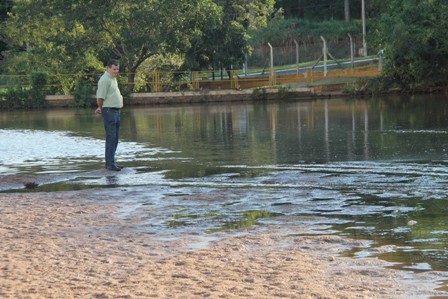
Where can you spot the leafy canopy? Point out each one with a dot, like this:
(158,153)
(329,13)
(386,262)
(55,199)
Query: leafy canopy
(66,36)
(412,34)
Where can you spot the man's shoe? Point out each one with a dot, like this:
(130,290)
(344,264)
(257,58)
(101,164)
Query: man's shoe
(119,166)
(113,168)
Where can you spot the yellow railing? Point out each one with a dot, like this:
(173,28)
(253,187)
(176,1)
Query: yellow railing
(156,82)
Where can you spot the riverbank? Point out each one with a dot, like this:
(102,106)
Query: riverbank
(213,96)
(333,86)
(76,245)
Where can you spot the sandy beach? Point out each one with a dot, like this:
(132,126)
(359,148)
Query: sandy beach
(73,245)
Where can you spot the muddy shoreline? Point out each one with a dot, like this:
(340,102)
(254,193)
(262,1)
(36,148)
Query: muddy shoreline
(75,245)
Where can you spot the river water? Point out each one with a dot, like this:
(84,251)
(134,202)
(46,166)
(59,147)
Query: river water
(373,169)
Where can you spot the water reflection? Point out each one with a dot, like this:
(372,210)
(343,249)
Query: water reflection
(112,181)
(362,168)
(260,134)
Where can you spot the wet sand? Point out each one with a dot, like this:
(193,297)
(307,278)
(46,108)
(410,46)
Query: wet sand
(73,245)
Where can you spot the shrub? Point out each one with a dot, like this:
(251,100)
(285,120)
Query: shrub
(21,97)
(15,98)
(83,94)
(38,91)
(260,94)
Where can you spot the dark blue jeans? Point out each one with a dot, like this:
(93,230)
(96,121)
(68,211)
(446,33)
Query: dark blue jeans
(111,119)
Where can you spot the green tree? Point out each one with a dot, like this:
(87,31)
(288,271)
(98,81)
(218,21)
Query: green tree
(5,7)
(231,39)
(319,10)
(43,39)
(281,30)
(136,30)
(75,36)
(412,34)
(224,40)
(62,36)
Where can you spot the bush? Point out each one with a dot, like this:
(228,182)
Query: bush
(412,35)
(38,91)
(283,91)
(259,94)
(14,98)
(83,94)
(20,97)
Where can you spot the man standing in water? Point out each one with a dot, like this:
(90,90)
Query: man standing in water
(110,101)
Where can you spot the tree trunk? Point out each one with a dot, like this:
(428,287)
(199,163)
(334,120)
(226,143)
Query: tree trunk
(347,10)
(131,79)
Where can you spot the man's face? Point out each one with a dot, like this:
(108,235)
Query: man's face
(113,70)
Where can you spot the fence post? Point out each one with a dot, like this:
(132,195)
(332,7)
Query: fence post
(380,60)
(297,55)
(271,73)
(324,52)
(363,17)
(352,50)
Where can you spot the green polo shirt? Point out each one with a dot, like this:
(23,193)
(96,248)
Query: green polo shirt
(108,91)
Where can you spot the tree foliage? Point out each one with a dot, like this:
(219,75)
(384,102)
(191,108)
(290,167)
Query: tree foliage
(5,6)
(282,31)
(62,36)
(225,42)
(79,35)
(240,16)
(320,10)
(41,38)
(412,34)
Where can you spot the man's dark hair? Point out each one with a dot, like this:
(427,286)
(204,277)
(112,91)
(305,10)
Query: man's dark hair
(112,62)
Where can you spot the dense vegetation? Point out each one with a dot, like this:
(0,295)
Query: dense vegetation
(5,6)
(412,34)
(319,10)
(76,37)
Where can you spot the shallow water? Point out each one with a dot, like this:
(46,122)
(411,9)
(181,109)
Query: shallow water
(371,169)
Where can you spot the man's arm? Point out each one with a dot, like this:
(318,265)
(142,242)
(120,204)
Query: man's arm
(99,102)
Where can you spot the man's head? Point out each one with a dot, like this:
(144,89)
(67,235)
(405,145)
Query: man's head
(113,67)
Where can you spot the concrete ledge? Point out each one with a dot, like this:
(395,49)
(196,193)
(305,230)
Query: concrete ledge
(210,96)
(203,96)
(59,100)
